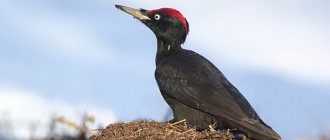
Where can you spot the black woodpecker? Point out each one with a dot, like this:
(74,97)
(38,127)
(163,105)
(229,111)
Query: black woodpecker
(193,87)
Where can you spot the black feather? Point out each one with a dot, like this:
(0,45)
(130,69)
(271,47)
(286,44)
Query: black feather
(197,91)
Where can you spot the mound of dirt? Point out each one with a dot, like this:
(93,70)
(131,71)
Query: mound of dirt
(149,130)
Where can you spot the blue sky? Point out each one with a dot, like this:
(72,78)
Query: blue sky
(69,56)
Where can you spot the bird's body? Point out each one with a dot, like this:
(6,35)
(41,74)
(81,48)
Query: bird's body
(197,91)
(194,88)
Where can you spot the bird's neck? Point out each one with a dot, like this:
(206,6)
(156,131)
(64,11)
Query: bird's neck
(165,49)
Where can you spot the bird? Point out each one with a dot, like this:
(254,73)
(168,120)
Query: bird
(194,88)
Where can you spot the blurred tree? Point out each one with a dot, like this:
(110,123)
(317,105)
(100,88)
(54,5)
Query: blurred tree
(80,127)
(5,127)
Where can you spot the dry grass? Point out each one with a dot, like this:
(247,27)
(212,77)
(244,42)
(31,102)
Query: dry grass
(152,130)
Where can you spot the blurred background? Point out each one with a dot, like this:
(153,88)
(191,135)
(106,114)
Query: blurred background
(71,65)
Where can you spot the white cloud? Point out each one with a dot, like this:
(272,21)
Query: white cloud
(284,38)
(26,107)
(54,31)
(294,48)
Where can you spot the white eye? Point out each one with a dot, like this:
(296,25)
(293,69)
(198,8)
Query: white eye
(157,17)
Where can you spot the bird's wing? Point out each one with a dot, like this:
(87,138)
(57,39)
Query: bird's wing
(199,84)
(194,81)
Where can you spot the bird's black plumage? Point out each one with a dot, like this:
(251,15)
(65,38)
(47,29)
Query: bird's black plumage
(193,87)
(198,92)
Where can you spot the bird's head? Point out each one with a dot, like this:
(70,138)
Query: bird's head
(168,24)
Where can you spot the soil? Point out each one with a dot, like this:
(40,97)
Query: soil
(153,130)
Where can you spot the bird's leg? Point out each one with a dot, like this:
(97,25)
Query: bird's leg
(237,134)
(240,137)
